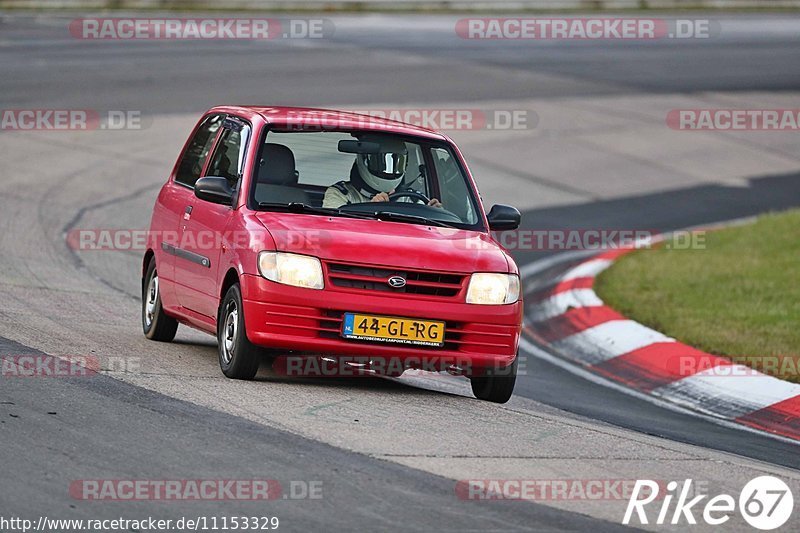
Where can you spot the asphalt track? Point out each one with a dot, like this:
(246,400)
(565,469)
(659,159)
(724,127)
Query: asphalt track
(386,451)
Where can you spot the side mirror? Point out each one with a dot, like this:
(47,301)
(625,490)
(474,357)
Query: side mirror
(503,217)
(214,189)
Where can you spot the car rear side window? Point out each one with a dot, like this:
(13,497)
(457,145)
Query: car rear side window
(194,157)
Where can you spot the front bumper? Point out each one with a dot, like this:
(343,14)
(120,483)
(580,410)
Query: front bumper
(288,318)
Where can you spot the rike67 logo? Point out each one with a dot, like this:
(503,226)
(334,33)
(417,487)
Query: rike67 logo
(765,503)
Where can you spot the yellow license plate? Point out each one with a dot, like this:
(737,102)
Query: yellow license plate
(393,329)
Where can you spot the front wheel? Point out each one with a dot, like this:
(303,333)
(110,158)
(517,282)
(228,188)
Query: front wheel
(156,324)
(497,385)
(238,357)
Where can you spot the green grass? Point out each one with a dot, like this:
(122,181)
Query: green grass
(738,297)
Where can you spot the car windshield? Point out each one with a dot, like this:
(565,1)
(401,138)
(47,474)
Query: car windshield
(365,175)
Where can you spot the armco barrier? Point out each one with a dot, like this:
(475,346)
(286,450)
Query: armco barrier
(401,5)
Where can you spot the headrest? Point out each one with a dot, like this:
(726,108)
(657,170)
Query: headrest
(277,165)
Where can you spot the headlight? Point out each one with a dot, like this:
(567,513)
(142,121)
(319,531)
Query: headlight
(493,289)
(291,269)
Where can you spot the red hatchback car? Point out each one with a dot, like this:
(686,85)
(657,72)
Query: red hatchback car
(316,233)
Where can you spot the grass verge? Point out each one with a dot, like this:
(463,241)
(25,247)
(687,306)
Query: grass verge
(737,297)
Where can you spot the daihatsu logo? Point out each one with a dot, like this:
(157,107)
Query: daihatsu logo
(397,282)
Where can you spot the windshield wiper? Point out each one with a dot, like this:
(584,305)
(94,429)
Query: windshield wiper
(390,216)
(299,207)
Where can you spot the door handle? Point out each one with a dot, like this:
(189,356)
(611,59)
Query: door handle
(187,213)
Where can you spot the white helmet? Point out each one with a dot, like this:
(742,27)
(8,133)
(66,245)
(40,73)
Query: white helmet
(383,171)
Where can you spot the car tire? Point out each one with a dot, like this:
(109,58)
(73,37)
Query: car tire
(156,324)
(496,385)
(238,357)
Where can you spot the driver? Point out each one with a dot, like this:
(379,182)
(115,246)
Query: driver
(373,177)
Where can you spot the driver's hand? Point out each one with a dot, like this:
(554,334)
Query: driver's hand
(435,203)
(382,196)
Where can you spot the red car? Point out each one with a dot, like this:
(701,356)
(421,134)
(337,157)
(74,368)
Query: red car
(315,233)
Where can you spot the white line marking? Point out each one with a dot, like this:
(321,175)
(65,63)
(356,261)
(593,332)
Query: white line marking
(588,269)
(607,341)
(588,375)
(731,391)
(538,266)
(686,405)
(560,303)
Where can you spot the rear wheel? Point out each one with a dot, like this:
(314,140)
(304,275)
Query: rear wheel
(497,385)
(238,357)
(156,324)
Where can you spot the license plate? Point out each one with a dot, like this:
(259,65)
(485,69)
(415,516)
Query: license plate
(393,329)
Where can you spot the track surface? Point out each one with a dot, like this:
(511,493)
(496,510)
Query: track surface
(132,433)
(381,448)
(383,59)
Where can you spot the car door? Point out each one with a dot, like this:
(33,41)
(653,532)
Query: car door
(169,209)
(203,224)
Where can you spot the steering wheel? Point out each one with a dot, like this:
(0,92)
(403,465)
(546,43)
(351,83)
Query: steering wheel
(409,194)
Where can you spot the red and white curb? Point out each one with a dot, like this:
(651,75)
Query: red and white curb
(569,318)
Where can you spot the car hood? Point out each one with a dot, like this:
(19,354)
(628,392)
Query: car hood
(394,244)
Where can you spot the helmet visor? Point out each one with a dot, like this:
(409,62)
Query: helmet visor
(387,165)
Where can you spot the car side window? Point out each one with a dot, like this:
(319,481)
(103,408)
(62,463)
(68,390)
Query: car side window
(194,157)
(416,174)
(228,159)
(455,196)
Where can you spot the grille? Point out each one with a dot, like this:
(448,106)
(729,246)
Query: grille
(376,279)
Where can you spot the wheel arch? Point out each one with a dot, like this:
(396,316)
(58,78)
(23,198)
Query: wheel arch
(231,278)
(148,256)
